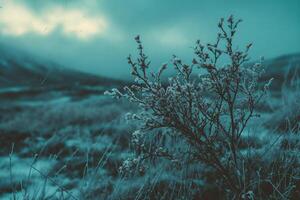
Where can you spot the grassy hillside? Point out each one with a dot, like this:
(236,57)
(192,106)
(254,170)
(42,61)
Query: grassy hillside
(69,142)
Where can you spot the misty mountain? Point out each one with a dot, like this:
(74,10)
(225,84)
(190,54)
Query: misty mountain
(285,71)
(18,68)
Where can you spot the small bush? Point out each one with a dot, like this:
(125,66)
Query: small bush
(206,108)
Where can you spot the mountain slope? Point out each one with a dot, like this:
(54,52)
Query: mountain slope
(17,68)
(285,70)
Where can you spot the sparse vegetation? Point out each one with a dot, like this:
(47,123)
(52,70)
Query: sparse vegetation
(215,130)
(210,114)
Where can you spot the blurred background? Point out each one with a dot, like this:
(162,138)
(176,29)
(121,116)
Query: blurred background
(60,137)
(96,36)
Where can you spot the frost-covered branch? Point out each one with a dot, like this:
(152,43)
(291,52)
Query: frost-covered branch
(206,103)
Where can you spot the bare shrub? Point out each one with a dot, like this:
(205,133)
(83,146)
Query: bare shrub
(209,112)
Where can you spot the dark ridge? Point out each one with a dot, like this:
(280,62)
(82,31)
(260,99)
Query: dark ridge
(18,68)
(285,70)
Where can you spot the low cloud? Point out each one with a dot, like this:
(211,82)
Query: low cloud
(17,19)
(170,37)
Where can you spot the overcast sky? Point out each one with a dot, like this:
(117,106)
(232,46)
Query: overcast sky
(97,35)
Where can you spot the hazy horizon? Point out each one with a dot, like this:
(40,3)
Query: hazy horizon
(96,36)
